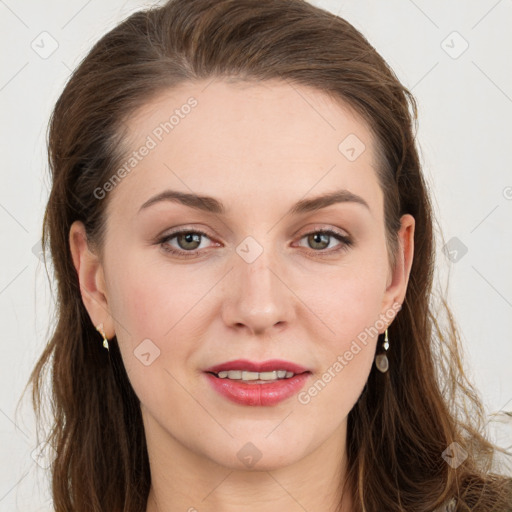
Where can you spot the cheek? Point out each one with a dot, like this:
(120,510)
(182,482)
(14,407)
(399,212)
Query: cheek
(152,321)
(155,307)
(350,313)
(151,299)
(347,300)
(348,306)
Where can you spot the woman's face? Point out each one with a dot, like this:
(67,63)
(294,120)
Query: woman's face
(251,278)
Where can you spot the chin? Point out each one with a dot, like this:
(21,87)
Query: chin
(257,456)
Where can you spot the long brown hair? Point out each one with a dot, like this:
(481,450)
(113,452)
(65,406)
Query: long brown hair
(404,419)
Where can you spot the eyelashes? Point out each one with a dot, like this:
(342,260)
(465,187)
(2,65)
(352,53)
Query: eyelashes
(317,237)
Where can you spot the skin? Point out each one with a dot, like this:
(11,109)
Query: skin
(289,303)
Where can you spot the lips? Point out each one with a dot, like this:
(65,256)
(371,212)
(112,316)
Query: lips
(258,394)
(253,366)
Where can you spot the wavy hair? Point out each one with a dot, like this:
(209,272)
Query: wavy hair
(404,419)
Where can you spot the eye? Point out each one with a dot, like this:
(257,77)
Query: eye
(319,240)
(188,242)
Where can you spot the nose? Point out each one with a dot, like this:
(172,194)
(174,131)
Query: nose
(258,298)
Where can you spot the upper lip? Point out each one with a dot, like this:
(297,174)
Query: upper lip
(254,366)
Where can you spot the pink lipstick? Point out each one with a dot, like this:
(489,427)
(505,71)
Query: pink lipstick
(257,383)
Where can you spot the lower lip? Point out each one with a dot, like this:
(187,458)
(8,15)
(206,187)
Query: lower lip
(269,393)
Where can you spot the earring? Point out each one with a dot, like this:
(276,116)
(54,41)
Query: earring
(381,361)
(105,341)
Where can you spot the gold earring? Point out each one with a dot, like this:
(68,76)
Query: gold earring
(381,361)
(105,341)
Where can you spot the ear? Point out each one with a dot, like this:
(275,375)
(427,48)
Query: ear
(399,276)
(92,281)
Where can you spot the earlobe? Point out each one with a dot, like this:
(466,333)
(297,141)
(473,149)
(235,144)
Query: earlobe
(90,276)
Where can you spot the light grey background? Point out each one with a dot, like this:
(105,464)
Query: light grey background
(465,107)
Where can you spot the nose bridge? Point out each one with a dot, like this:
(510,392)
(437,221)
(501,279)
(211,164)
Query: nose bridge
(259,297)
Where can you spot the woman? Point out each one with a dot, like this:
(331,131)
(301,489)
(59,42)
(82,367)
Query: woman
(243,244)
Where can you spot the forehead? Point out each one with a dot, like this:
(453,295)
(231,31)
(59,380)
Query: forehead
(269,137)
(250,113)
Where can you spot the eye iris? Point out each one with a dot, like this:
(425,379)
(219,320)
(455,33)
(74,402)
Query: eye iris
(189,238)
(314,237)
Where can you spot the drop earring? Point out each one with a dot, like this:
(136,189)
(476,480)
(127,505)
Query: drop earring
(381,361)
(105,340)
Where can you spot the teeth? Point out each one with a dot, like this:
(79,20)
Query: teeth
(246,375)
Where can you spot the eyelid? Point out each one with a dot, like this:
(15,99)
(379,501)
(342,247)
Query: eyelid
(315,228)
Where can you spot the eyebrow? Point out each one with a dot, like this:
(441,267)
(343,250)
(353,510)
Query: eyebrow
(212,205)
